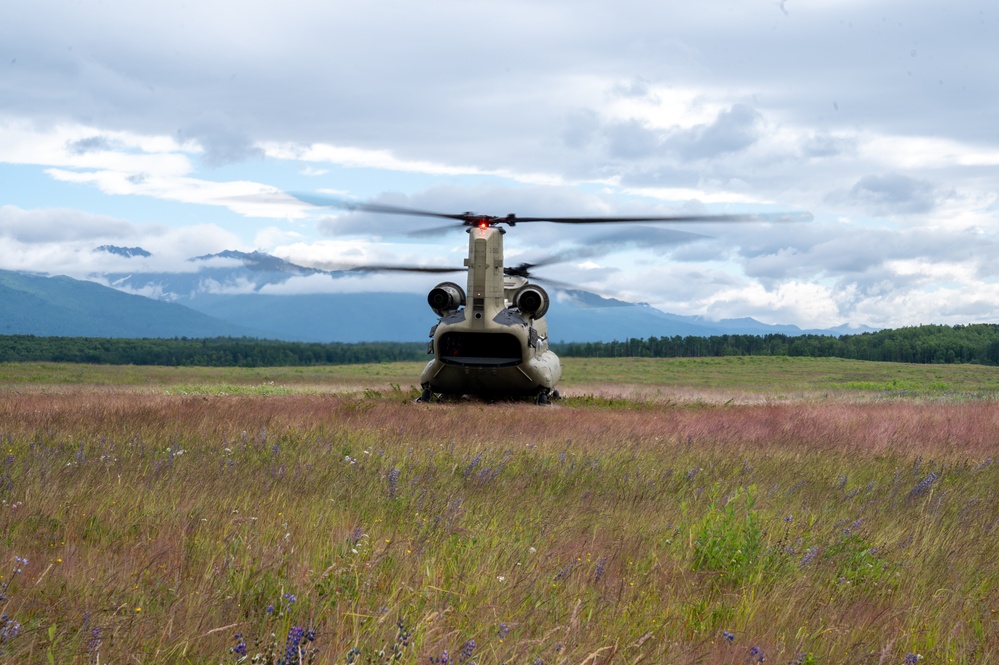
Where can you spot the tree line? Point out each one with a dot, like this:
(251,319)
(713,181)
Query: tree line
(211,352)
(975,343)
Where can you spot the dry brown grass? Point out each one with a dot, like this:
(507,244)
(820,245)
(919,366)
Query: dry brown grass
(932,430)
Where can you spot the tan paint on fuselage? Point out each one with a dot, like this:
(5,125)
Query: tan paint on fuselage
(489,293)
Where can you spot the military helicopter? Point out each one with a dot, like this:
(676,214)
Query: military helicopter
(491,337)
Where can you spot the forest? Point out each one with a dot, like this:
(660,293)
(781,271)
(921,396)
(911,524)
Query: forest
(210,352)
(974,343)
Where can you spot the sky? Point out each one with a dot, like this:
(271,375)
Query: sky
(184,128)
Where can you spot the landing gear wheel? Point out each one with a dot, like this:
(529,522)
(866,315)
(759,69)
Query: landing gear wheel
(556,395)
(542,398)
(425,397)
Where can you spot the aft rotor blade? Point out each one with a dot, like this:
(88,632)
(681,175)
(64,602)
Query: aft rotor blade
(388,268)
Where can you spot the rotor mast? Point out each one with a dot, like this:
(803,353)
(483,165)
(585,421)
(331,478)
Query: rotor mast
(485,272)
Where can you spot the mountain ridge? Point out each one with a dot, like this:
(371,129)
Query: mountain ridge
(230,300)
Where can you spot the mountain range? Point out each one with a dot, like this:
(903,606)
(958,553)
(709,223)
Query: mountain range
(225,294)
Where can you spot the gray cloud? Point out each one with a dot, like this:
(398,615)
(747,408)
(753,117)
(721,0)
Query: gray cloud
(631,140)
(889,194)
(223,143)
(90,144)
(734,129)
(60,225)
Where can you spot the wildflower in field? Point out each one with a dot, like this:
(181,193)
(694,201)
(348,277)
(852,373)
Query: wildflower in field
(923,485)
(240,649)
(9,629)
(503,630)
(94,643)
(467,649)
(474,463)
(292,648)
(728,636)
(809,556)
(393,482)
(443,659)
(756,655)
(599,572)
(912,658)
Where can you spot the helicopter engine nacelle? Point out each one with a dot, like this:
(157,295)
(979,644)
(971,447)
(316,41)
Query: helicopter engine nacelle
(531,300)
(446,297)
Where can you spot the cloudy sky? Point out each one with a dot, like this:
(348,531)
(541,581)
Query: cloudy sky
(180,128)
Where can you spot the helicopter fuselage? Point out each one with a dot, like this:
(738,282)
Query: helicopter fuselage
(491,339)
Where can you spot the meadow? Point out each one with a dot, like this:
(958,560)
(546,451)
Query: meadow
(716,510)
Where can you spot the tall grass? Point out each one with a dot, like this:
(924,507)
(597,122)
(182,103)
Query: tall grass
(156,528)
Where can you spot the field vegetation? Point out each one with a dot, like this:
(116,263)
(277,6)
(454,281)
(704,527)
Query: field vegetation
(718,510)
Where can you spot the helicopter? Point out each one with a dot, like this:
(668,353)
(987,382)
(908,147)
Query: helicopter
(491,339)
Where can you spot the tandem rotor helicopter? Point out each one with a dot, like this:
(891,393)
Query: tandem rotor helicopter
(491,338)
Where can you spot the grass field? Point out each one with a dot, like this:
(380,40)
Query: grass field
(721,510)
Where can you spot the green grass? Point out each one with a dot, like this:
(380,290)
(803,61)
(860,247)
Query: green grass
(161,518)
(779,376)
(783,375)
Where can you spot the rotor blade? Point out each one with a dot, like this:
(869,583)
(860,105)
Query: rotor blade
(470,218)
(607,243)
(435,230)
(743,217)
(332,202)
(555,284)
(388,268)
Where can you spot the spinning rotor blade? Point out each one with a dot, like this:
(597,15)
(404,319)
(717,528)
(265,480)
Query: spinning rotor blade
(386,268)
(474,219)
(743,217)
(524,270)
(332,202)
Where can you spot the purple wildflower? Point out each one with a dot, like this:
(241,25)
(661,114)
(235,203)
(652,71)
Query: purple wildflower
(240,649)
(292,649)
(393,481)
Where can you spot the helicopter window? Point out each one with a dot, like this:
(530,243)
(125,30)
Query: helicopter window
(482,349)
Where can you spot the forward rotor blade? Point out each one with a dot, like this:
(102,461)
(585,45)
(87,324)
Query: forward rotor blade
(471,218)
(435,230)
(747,217)
(333,202)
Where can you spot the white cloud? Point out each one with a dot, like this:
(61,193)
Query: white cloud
(245,198)
(64,242)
